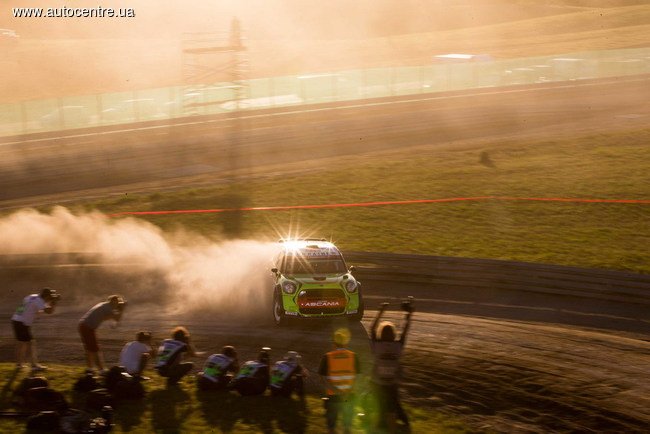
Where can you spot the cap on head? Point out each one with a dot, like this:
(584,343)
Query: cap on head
(292,356)
(265,355)
(143,336)
(115,299)
(342,337)
(229,351)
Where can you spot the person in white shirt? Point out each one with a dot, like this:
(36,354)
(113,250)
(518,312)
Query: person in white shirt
(136,354)
(22,321)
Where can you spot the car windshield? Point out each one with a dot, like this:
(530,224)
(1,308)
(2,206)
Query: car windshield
(296,264)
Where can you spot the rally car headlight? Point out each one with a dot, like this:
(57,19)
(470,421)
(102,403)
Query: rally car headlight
(289,287)
(351,285)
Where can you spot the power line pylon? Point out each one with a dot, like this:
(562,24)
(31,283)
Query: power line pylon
(215,67)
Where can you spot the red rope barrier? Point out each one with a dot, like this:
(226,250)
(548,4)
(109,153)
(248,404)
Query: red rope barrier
(382,203)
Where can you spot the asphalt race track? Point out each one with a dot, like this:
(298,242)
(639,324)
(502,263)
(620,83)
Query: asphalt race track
(496,372)
(206,150)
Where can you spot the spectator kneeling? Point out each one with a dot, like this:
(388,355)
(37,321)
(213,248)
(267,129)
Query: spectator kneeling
(218,370)
(169,362)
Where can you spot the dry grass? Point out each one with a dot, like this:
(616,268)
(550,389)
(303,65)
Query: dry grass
(589,235)
(184,409)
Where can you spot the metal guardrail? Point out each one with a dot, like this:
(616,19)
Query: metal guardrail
(442,75)
(471,275)
(488,288)
(464,276)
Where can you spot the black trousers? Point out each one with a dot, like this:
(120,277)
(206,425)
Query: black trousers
(176,371)
(388,397)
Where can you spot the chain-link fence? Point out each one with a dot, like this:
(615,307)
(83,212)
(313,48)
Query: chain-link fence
(445,73)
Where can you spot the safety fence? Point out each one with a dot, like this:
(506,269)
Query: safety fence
(459,275)
(471,276)
(477,287)
(445,73)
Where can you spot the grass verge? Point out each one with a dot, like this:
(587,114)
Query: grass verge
(608,166)
(184,409)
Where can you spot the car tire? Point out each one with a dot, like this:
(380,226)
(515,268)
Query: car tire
(279,318)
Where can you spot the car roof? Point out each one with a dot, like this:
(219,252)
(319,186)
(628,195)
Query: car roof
(307,244)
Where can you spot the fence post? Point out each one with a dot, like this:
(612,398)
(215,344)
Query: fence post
(136,106)
(100,108)
(61,114)
(23,117)
(171,101)
(272,89)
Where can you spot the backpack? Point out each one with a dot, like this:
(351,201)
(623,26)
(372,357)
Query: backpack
(98,398)
(44,421)
(129,388)
(25,385)
(99,425)
(45,399)
(86,383)
(74,421)
(113,376)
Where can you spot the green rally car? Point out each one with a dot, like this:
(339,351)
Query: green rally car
(311,280)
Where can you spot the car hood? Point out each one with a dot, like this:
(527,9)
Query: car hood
(320,279)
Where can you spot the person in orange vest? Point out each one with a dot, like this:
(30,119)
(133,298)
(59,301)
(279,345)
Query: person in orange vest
(339,370)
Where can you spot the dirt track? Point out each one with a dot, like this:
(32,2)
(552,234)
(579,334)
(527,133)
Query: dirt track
(494,374)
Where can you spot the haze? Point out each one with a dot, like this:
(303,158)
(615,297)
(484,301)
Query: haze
(77,56)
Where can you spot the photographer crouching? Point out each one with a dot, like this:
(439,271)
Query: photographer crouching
(22,321)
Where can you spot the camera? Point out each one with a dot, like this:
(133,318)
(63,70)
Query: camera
(55,297)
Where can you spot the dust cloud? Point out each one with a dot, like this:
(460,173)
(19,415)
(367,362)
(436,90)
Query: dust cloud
(90,255)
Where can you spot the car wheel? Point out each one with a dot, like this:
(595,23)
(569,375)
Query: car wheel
(278,311)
